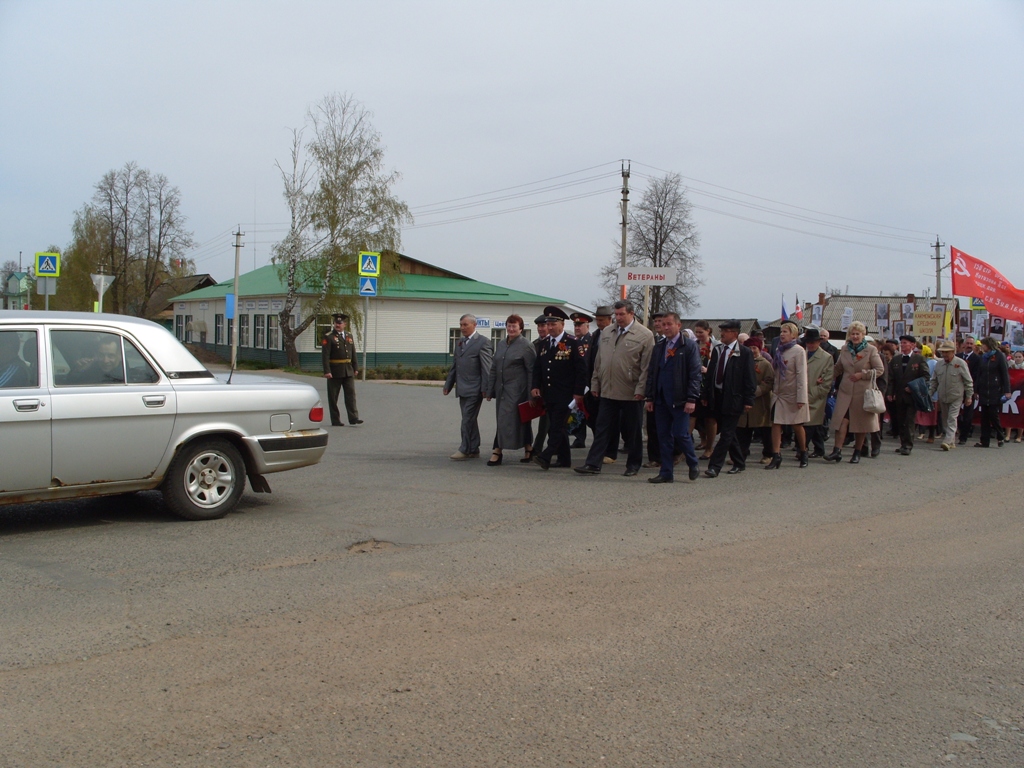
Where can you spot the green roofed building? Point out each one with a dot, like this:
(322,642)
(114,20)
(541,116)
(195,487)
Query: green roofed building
(413,321)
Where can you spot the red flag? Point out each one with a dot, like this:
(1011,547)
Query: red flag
(973,277)
(799,309)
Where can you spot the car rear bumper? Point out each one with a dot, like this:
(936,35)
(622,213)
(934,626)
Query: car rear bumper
(286,450)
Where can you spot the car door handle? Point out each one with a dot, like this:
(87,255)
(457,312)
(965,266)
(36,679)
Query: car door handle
(154,401)
(25,406)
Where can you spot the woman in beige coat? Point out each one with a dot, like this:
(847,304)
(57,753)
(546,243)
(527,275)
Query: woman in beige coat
(857,359)
(789,395)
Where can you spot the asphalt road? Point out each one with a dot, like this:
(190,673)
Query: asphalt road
(391,607)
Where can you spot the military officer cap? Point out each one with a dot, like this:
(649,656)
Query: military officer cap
(541,320)
(729,325)
(340,317)
(554,314)
(603,311)
(580,317)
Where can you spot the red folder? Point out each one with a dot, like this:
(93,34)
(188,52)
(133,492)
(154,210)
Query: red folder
(530,410)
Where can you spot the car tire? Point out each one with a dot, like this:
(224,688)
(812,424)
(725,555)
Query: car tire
(205,480)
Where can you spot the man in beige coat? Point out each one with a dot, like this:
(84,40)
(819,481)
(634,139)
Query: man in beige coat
(620,383)
(952,380)
(820,366)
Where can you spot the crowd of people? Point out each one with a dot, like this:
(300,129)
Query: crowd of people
(730,389)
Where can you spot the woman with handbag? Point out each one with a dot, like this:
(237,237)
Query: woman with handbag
(859,365)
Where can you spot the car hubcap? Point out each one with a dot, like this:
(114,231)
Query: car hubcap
(209,480)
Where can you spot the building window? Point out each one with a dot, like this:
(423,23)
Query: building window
(258,331)
(526,333)
(179,327)
(243,330)
(188,329)
(231,328)
(218,329)
(497,334)
(454,335)
(323,327)
(273,335)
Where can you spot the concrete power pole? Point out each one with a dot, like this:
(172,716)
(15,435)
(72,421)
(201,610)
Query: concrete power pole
(938,267)
(625,214)
(234,288)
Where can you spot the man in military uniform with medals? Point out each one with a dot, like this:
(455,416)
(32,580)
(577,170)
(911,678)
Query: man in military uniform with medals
(559,376)
(581,327)
(338,350)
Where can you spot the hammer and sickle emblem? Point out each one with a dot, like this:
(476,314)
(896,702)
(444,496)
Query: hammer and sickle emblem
(960,267)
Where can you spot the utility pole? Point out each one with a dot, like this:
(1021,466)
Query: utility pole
(234,326)
(938,267)
(625,214)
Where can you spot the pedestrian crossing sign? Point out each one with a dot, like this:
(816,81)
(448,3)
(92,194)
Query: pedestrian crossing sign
(368,286)
(47,265)
(369,264)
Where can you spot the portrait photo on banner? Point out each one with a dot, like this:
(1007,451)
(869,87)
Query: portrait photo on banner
(882,315)
(898,329)
(997,328)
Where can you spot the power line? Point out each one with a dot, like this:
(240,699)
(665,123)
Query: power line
(512,210)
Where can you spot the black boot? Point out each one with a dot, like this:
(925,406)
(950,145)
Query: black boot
(836,455)
(802,458)
(855,459)
(776,461)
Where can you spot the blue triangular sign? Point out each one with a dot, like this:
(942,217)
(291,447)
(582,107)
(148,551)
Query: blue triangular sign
(46,266)
(368,265)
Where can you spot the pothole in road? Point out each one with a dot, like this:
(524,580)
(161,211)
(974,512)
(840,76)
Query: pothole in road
(372,545)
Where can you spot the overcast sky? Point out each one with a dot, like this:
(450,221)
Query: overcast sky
(904,114)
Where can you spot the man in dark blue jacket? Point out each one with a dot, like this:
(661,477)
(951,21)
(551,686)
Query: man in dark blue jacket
(673,388)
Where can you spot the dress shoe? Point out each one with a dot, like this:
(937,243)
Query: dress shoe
(776,461)
(711,472)
(694,473)
(541,462)
(875,452)
(579,444)
(337,424)
(836,455)
(816,455)
(855,459)
(659,479)
(459,456)
(735,470)
(905,451)
(765,460)
(801,456)
(586,469)
(981,445)
(945,446)
(495,460)
(864,450)
(630,472)
(357,421)
(608,460)
(652,464)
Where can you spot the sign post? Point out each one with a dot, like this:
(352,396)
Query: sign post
(101,283)
(646,276)
(369,271)
(47,272)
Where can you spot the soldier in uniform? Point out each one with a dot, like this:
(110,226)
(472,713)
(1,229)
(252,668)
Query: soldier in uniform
(558,376)
(542,423)
(338,350)
(581,327)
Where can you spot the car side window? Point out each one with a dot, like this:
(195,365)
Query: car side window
(138,369)
(19,359)
(87,358)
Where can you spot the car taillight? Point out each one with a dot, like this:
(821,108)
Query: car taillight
(316,413)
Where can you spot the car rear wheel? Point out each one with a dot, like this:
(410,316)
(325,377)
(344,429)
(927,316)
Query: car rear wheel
(205,480)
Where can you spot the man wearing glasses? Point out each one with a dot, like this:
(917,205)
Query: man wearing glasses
(338,349)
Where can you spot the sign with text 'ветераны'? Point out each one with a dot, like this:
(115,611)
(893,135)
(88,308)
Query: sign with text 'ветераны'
(647,276)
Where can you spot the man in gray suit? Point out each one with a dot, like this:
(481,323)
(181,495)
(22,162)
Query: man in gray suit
(471,367)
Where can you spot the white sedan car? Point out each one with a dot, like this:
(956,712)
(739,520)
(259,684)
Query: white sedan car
(97,404)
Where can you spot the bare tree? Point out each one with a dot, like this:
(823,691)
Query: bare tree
(340,202)
(140,213)
(661,233)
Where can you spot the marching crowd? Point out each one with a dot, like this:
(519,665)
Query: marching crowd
(732,390)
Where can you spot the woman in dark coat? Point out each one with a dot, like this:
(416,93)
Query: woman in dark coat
(991,385)
(509,384)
